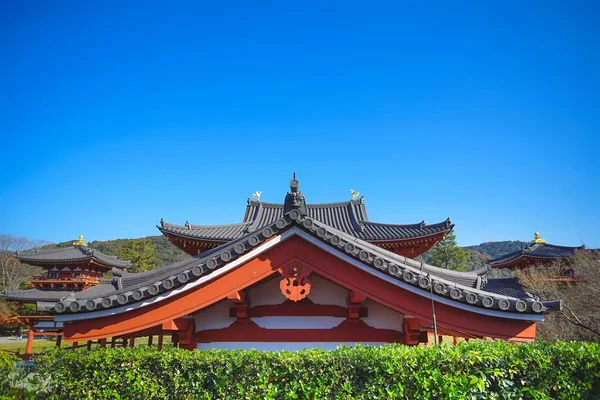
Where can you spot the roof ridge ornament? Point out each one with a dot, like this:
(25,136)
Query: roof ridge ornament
(294,199)
(256,195)
(354,193)
(537,238)
(80,242)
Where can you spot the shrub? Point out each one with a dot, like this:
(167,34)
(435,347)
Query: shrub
(473,370)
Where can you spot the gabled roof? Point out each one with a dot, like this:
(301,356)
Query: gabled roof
(43,258)
(541,251)
(349,217)
(461,289)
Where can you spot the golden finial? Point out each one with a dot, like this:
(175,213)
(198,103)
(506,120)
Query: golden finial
(537,238)
(80,242)
(256,195)
(354,193)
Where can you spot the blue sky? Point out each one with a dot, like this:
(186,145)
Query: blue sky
(115,114)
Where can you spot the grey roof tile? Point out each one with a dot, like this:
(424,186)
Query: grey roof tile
(31,295)
(69,254)
(506,287)
(348,216)
(537,250)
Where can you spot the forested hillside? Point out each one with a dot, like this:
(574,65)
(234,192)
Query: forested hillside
(480,254)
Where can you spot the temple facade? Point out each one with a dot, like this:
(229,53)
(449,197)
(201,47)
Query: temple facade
(299,277)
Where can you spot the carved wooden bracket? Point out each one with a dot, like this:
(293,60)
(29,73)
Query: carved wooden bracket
(354,300)
(295,284)
(242,303)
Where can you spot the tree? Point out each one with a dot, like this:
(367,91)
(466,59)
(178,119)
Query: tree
(579,318)
(446,254)
(12,272)
(141,253)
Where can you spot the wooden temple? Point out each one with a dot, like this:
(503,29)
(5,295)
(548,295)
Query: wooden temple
(67,270)
(297,277)
(538,252)
(72,268)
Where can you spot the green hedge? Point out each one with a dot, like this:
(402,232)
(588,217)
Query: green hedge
(473,370)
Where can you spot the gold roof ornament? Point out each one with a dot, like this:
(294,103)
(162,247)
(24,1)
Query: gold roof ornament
(256,195)
(537,238)
(80,242)
(354,193)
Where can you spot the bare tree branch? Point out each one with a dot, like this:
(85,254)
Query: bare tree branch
(12,272)
(580,318)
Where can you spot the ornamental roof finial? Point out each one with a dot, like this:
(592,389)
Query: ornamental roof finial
(80,242)
(295,199)
(354,193)
(537,238)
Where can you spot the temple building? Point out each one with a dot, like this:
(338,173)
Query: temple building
(296,275)
(73,268)
(541,253)
(67,270)
(349,217)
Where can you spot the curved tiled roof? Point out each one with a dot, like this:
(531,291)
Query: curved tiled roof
(536,250)
(43,258)
(146,287)
(349,217)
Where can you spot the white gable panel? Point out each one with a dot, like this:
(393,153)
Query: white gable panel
(268,293)
(215,317)
(382,317)
(324,292)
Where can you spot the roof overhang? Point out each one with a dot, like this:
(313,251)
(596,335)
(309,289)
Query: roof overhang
(295,231)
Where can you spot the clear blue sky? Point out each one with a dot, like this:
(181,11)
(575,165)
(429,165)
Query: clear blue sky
(114,114)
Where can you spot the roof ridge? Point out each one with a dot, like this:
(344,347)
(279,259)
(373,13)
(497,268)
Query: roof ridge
(195,226)
(564,247)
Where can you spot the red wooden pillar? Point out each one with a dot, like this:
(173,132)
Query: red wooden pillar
(113,342)
(160,341)
(102,343)
(75,345)
(132,342)
(58,341)
(150,340)
(89,345)
(29,346)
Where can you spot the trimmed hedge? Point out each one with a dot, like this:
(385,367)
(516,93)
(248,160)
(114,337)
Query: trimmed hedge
(472,370)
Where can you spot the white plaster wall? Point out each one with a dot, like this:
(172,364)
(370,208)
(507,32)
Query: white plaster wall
(214,317)
(324,292)
(278,346)
(382,317)
(298,322)
(266,294)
